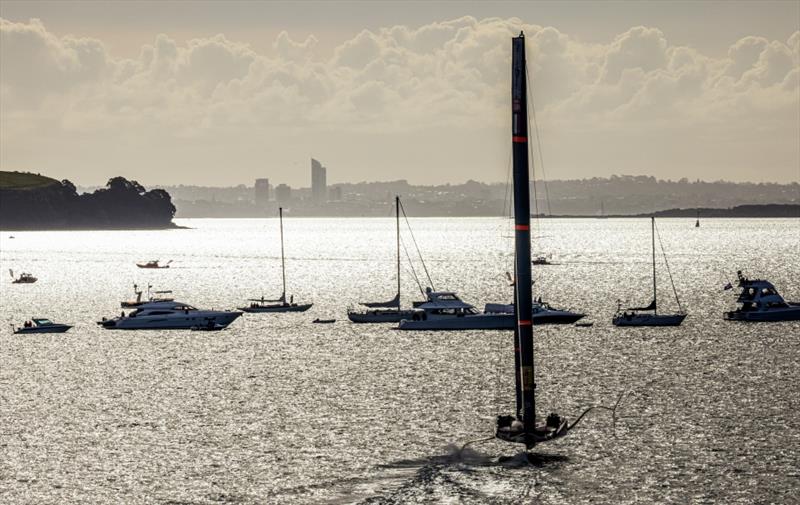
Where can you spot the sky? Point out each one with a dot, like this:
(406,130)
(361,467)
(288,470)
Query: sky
(220,93)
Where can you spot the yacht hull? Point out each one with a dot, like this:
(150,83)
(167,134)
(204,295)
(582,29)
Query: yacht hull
(380,316)
(791,313)
(173,322)
(488,321)
(278,308)
(56,328)
(649,320)
(474,322)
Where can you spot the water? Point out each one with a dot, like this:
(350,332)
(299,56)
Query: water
(278,410)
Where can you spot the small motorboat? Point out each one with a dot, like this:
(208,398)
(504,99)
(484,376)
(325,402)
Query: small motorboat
(24,278)
(542,260)
(153,264)
(760,301)
(41,325)
(323,321)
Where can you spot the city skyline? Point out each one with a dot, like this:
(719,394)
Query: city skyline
(218,96)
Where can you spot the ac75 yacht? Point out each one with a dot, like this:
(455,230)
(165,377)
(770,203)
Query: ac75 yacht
(172,315)
(760,301)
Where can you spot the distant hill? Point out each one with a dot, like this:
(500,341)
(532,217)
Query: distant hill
(34,202)
(24,180)
(751,211)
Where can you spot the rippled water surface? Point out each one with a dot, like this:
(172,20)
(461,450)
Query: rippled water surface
(278,410)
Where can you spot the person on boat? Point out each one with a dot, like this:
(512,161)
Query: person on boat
(291,299)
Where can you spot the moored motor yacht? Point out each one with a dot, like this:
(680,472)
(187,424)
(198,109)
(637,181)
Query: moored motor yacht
(760,301)
(171,315)
(444,310)
(41,325)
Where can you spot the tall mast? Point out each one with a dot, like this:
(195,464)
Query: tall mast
(522,234)
(283,259)
(653,233)
(397,214)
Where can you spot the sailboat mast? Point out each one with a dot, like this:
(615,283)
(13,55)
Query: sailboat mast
(283,259)
(397,215)
(653,233)
(522,232)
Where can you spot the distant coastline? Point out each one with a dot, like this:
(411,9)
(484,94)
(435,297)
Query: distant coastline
(740,211)
(35,202)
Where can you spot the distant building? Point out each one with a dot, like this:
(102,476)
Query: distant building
(262,192)
(319,187)
(336,193)
(283,194)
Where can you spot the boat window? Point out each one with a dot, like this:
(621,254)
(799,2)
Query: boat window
(447,297)
(159,312)
(41,322)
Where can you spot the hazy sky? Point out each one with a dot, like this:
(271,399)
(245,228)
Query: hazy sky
(220,93)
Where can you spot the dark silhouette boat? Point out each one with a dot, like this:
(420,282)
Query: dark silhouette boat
(759,301)
(278,304)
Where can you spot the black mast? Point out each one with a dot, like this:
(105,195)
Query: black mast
(522,237)
(283,260)
(397,213)
(653,232)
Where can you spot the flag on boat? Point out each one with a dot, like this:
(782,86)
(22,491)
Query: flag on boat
(727,286)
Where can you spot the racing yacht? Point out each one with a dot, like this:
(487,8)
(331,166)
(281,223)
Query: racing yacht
(172,315)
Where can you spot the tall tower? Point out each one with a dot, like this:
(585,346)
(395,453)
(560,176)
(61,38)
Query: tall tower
(319,188)
(262,192)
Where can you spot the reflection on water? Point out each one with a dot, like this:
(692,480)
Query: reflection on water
(278,410)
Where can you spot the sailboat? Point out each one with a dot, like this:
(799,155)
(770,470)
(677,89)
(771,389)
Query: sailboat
(523,427)
(385,312)
(279,304)
(640,316)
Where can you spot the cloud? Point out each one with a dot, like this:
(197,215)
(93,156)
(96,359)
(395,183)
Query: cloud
(451,75)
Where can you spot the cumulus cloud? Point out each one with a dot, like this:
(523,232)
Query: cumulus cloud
(451,75)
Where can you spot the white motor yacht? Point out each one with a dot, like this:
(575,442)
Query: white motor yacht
(172,315)
(444,310)
(760,301)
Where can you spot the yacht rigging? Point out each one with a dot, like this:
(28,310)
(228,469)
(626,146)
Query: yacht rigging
(278,304)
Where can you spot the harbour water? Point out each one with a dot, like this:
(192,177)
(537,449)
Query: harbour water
(278,410)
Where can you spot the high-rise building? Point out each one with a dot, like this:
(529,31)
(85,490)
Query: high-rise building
(262,192)
(319,187)
(283,194)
